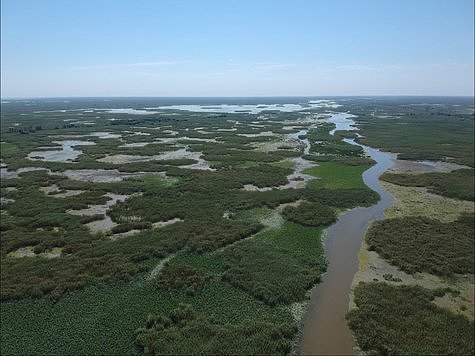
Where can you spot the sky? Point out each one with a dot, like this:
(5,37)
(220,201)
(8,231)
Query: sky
(90,48)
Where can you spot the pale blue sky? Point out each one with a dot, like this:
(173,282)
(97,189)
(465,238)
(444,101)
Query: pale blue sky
(236,48)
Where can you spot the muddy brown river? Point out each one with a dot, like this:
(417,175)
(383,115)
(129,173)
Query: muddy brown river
(325,328)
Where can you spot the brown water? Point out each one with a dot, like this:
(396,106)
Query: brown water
(326,331)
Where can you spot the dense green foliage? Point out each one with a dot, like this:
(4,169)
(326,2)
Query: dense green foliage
(310,214)
(342,198)
(178,277)
(347,160)
(184,332)
(102,319)
(418,244)
(402,321)
(277,266)
(457,184)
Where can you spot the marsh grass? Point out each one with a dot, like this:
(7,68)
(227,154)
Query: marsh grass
(310,214)
(419,244)
(403,320)
(456,184)
(334,175)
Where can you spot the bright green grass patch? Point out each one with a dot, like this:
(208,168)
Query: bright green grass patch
(337,176)
(403,321)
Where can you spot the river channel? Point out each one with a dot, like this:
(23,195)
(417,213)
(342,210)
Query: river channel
(325,328)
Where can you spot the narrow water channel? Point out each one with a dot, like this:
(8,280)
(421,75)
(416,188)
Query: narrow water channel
(325,328)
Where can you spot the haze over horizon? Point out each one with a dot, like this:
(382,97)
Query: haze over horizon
(236,48)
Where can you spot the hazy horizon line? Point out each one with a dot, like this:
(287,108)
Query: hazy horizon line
(238,96)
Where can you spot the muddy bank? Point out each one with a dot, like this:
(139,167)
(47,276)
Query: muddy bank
(28,251)
(416,201)
(418,167)
(297,179)
(106,224)
(55,191)
(182,153)
(160,224)
(103,175)
(7,174)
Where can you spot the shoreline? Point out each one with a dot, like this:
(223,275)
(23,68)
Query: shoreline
(413,201)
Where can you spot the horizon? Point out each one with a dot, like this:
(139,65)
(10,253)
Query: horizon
(239,97)
(210,48)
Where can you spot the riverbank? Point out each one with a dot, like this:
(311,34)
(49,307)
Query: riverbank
(426,273)
(416,201)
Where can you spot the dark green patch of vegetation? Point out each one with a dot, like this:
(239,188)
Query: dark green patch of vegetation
(310,214)
(342,198)
(418,244)
(347,160)
(277,266)
(185,332)
(181,276)
(403,321)
(209,238)
(456,184)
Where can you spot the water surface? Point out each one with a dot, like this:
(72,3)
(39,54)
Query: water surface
(325,328)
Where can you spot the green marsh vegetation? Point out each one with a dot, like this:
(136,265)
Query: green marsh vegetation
(277,266)
(456,184)
(326,144)
(230,279)
(339,182)
(335,175)
(310,214)
(236,286)
(403,320)
(165,335)
(418,244)
(440,129)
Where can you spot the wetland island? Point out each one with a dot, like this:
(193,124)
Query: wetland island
(299,225)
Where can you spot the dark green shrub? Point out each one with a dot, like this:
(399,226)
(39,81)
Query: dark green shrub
(310,214)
